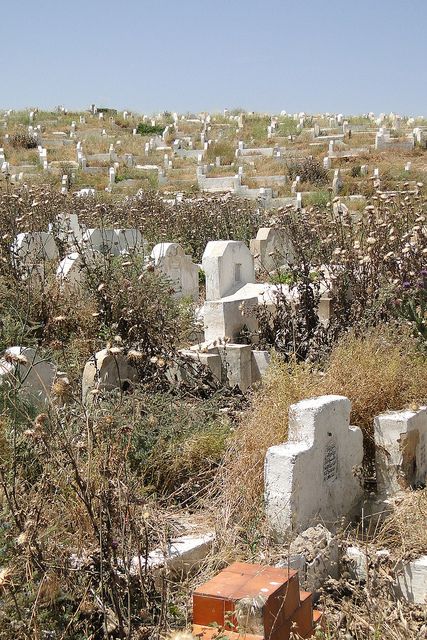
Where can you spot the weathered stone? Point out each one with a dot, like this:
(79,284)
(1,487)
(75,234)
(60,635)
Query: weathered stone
(106,371)
(400,450)
(26,372)
(311,478)
(228,265)
(170,260)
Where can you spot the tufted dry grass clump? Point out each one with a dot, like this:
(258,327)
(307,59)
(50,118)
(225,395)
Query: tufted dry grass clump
(379,371)
(404,532)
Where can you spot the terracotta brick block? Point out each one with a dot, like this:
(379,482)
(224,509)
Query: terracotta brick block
(274,593)
(302,618)
(318,618)
(210,633)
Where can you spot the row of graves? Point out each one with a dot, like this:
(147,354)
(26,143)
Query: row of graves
(108,153)
(227,316)
(313,481)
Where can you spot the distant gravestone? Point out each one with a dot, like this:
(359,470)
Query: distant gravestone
(71,270)
(24,370)
(228,266)
(170,260)
(112,241)
(87,192)
(295,185)
(34,248)
(311,478)
(99,240)
(337,183)
(271,249)
(67,229)
(107,371)
(128,241)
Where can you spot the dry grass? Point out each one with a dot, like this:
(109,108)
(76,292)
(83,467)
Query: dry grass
(370,609)
(404,532)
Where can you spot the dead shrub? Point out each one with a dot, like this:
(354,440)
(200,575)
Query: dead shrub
(23,140)
(309,170)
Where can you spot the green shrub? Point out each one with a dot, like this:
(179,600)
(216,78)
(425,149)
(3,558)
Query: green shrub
(287,127)
(174,440)
(145,129)
(107,111)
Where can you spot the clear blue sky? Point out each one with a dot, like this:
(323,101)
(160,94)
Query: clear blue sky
(188,55)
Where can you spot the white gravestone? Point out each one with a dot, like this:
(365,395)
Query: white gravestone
(337,183)
(271,249)
(67,228)
(400,450)
(26,371)
(106,371)
(228,317)
(100,240)
(35,248)
(71,269)
(228,266)
(128,241)
(170,260)
(311,478)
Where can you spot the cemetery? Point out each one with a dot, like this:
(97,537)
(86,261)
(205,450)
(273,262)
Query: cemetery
(213,375)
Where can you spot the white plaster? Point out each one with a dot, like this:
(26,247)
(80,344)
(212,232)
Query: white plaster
(412,581)
(228,265)
(400,450)
(106,371)
(310,479)
(24,369)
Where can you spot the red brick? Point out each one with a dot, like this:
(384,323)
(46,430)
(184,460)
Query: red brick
(302,618)
(279,587)
(209,633)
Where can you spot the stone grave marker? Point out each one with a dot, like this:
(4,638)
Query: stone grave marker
(228,266)
(170,260)
(337,183)
(67,228)
(271,249)
(128,241)
(400,450)
(26,371)
(311,478)
(34,248)
(107,370)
